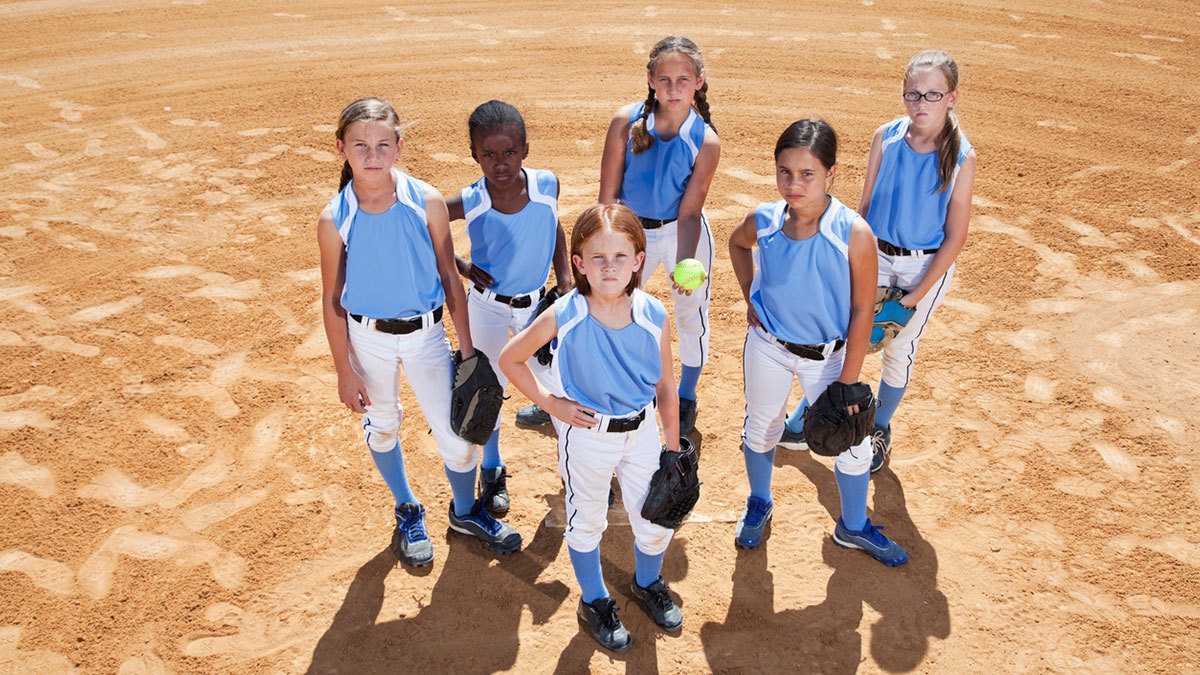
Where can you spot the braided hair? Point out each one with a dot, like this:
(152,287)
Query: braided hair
(675,44)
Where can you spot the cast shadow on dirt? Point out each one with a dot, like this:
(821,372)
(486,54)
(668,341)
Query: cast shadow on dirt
(755,636)
(472,619)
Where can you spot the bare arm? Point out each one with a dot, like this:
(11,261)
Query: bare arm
(351,389)
(668,396)
(741,247)
(562,254)
(514,363)
(958,215)
(612,163)
(864,275)
(438,222)
(873,159)
(692,203)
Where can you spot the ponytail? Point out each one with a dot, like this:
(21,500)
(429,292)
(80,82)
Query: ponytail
(639,135)
(948,146)
(347,174)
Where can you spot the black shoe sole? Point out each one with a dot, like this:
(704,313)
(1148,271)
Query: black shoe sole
(583,623)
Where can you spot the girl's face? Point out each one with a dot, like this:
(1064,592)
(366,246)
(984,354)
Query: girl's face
(926,114)
(802,179)
(499,152)
(675,81)
(371,148)
(608,261)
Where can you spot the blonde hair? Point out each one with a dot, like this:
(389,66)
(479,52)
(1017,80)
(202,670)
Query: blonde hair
(616,217)
(675,44)
(947,141)
(365,110)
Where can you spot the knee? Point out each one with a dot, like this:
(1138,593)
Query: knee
(584,535)
(856,460)
(650,539)
(762,435)
(381,429)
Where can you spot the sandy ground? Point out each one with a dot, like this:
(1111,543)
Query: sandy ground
(182,491)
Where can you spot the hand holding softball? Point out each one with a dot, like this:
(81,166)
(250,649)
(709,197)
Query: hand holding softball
(688,275)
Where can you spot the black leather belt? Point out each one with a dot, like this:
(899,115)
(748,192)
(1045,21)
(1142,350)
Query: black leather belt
(655,223)
(900,250)
(812,352)
(516,302)
(616,426)
(399,326)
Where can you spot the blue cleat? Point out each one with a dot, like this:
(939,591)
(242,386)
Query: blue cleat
(871,540)
(410,541)
(753,523)
(480,524)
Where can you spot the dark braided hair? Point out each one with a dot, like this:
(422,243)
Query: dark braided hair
(495,115)
(675,44)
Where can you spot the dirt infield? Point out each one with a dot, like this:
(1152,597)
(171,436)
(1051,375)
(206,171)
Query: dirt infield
(183,492)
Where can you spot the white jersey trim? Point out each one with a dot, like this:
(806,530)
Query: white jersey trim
(351,200)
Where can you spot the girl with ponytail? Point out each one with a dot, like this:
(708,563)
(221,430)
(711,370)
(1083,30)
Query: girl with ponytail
(659,159)
(917,198)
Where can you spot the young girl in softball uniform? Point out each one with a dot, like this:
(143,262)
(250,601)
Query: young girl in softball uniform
(512,222)
(659,159)
(387,269)
(809,246)
(917,197)
(612,358)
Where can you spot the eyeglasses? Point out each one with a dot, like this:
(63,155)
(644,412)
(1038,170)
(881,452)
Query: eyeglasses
(931,96)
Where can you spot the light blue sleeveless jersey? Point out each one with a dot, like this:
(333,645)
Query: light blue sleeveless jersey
(515,249)
(613,372)
(906,209)
(801,289)
(655,180)
(391,270)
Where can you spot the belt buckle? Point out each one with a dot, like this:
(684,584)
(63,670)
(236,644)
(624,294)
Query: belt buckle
(521,302)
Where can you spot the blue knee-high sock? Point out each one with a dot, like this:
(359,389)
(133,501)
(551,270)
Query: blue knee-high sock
(889,400)
(759,466)
(463,487)
(795,421)
(391,467)
(647,568)
(490,458)
(853,493)
(688,377)
(588,574)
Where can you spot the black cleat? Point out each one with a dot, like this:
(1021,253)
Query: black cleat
(600,616)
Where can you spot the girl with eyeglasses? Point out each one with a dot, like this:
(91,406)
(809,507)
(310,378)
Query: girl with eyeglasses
(917,199)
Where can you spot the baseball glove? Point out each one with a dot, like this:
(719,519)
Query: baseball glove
(674,488)
(890,317)
(475,399)
(543,354)
(828,429)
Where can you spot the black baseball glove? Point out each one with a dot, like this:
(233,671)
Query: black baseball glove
(475,398)
(543,354)
(674,488)
(828,429)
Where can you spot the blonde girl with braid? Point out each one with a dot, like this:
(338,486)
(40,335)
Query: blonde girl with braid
(917,198)
(659,159)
